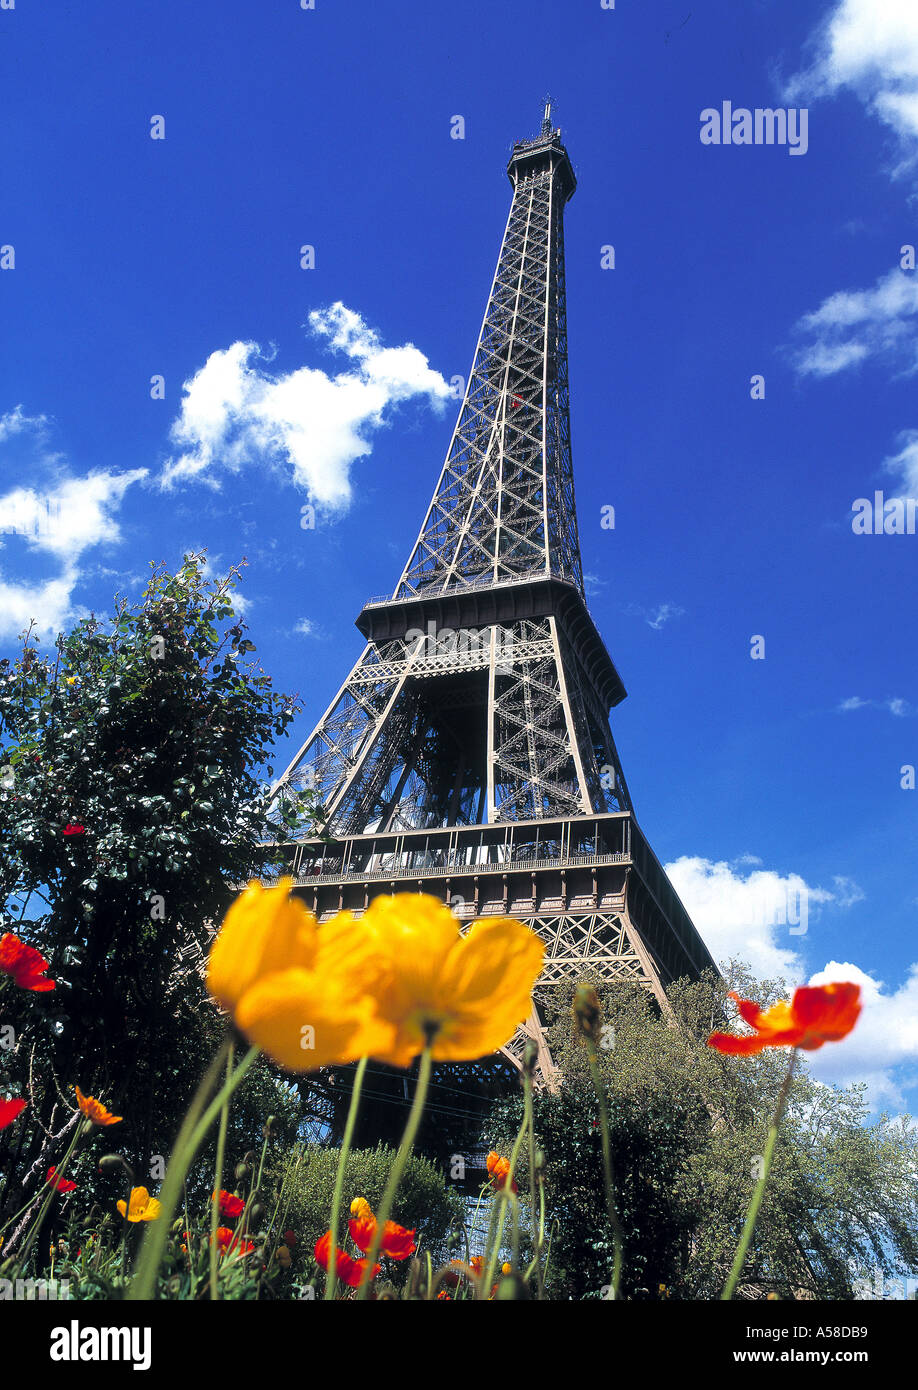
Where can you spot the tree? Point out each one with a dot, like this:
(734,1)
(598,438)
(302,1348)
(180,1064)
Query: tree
(131,807)
(424,1201)
(688,1129)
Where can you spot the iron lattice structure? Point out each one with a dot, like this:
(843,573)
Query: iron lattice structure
(469,754)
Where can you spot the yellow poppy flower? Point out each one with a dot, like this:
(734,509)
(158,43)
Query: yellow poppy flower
(361,1209)
(305,1020)
(465,995)
(296,990)
(264,931)
(143,1207)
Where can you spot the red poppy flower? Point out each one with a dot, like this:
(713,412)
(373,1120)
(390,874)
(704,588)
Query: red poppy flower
(71,829)
(397,1242)
(290,1239)
(499,1171)
(10,1110)
(230,1206)
(349,1271)
(231,1242)
(23,963)
(60,1184)
(817,1014)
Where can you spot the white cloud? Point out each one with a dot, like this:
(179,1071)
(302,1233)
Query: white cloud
(71,517)
(853,325)
(236,413)
(664,612)
(49,604)
(748,916)
(894,704)
(752,915)
(847,892)
(63,520)
(305,627)
(656,617)
(17,422)
(869,47)
(882,1050)
(905,463)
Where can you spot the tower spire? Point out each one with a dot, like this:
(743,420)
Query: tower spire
(546,118)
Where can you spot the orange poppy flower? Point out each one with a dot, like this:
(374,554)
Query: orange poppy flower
(23,964)
(397,1242)
(10,1110)
(817,1014)
(499,1171)
(94,1110)
(349,1271)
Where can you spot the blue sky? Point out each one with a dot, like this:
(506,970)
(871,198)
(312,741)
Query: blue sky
(757,780)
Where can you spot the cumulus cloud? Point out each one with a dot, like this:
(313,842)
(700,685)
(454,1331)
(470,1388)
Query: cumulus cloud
(752,913)
(745,911)
(63,520)
(852,326)
(869,47)
(882,1051)
(236,413)
(71,517)
(749,915)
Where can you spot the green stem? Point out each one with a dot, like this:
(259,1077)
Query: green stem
(52,1188)
(536,1225)
(506,1197)
(191,1136)
(398,1167)
(743,1248)
(331,1277)
(218,1182)
(618,1235)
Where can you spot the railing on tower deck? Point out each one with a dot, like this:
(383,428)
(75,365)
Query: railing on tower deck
(517,846)
(481,581)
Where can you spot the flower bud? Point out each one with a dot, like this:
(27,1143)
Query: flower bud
(587,1011)
(110,1163)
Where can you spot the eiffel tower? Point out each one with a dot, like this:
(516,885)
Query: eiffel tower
(469,754)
